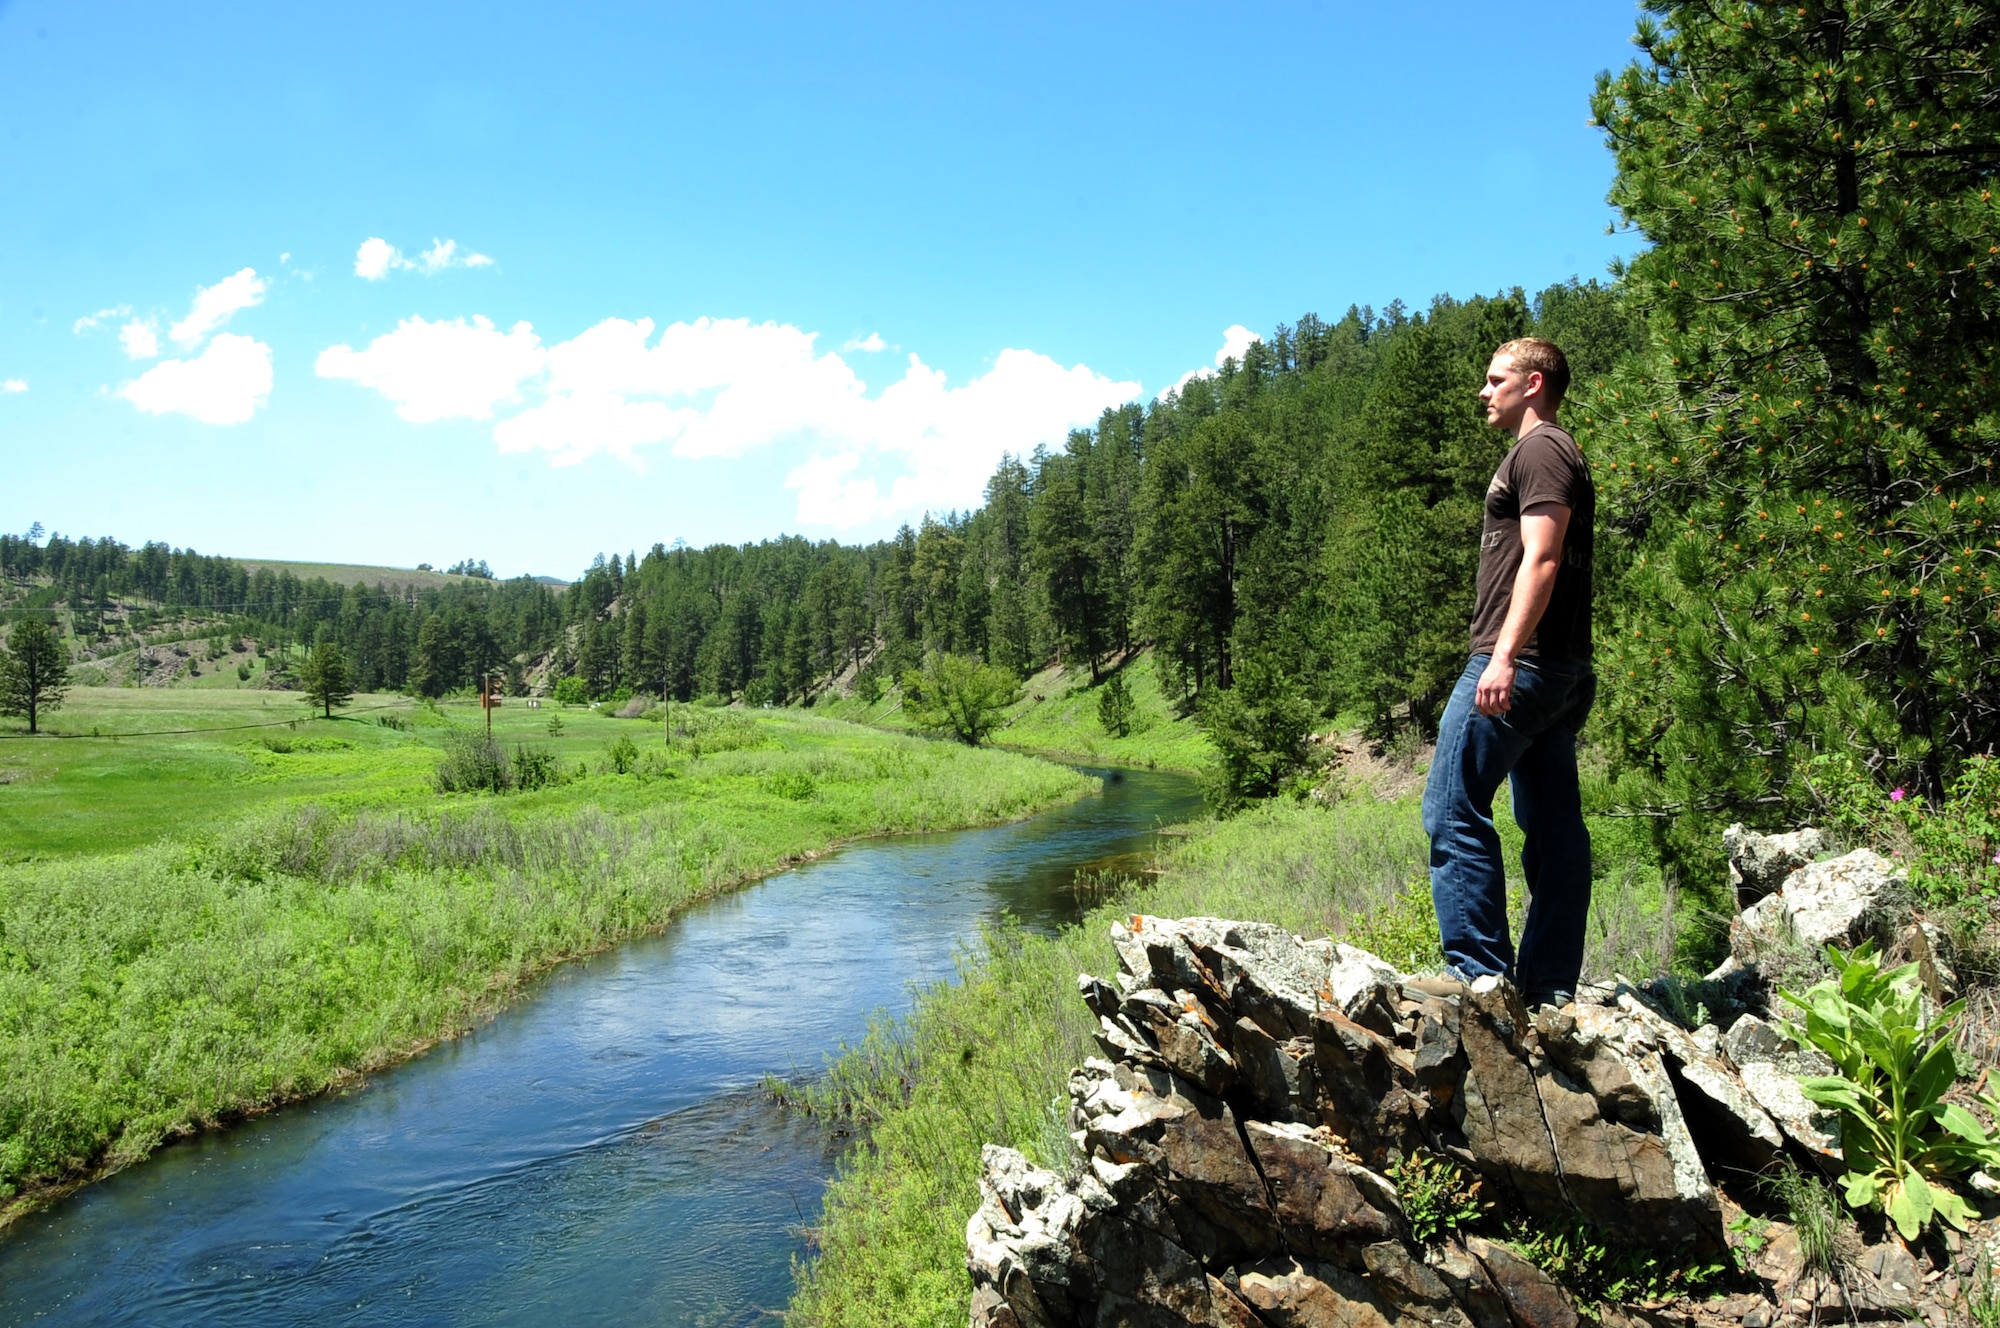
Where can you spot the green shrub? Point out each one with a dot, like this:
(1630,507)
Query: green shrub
(700,731)
(622,756)
(796,785)
(1952,848)
(959,696)
(570,691)
(535,768)
(1259,728)
(1901,1140)
(472,763)
(1402,931)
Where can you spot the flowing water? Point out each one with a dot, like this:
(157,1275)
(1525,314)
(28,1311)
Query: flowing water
(600,1152)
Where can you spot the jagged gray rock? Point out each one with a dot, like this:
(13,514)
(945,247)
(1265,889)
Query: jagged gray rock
(1751,1039)
(1255,1092)
(1820,904)
(1759,864)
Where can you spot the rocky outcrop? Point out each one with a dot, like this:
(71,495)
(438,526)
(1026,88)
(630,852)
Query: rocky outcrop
(1818,903)
(1759,864)
(1237,1143)
(1234,1145)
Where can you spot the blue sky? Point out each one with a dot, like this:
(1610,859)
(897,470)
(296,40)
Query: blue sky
(395,283)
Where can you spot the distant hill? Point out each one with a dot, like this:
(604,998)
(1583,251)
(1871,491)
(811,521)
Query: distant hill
(367,575)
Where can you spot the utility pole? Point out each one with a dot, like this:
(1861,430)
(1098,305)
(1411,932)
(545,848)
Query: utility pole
(486,700)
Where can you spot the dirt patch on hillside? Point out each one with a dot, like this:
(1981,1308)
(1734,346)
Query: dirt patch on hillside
(1359,767)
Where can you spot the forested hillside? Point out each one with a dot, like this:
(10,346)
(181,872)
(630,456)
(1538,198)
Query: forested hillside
(1295,527)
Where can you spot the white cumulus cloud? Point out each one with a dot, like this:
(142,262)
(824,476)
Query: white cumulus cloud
(727,387)
(871,343)
(140,339)
(442,370)
(1236,342)
(13,387)
(225,384)
(720,388)
(215,305)
(89,322)
(444,253)
(377,258)
(933,446)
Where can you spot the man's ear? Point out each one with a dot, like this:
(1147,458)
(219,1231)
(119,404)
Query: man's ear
(1535,382)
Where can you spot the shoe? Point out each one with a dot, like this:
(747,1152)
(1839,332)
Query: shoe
(1535,1000)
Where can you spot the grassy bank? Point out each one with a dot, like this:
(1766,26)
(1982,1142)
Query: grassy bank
(1057,717)
(119,767)
(147,992)
(988,1059)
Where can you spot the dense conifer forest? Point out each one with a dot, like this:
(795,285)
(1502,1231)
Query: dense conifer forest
(1293,528)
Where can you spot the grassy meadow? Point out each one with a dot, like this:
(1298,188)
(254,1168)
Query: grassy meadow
(987,1060)
(194,925)
(355,574)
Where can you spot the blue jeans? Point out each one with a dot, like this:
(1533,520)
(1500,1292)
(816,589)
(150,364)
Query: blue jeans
(1533,745)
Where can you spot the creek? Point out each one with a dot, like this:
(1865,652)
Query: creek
(600,1152)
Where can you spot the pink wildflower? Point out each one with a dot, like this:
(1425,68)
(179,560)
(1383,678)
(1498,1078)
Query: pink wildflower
(1895,795)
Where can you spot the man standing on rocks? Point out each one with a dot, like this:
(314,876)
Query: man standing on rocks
(1517,707)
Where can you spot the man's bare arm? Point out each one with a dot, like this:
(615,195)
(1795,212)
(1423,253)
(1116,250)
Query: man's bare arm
(1542,529)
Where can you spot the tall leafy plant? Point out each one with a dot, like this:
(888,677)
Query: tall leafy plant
(1900,1139)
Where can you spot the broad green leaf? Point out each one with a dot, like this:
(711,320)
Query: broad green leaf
(1933,1075)
(1963,1124)
(1918,1191)
(1829,1091)
(1862,1188)
(1952,1208)
(1906,1210)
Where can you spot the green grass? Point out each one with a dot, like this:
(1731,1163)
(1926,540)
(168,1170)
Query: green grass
(987,1060)
(169,758)
(189,756)
(1057,717)
(330,914)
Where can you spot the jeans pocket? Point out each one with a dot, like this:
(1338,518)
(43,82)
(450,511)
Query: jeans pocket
(1539,700)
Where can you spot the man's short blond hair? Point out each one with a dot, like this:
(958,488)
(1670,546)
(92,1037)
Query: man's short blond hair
(1533,355)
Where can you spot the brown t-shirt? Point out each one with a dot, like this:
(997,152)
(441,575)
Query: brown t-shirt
(1545,466)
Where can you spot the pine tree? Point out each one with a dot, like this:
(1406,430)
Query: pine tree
(1115,707)
(324,677)
(34,671)
(1065,561)
(1801,470)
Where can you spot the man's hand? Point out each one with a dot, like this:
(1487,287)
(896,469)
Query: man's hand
(1496,688)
